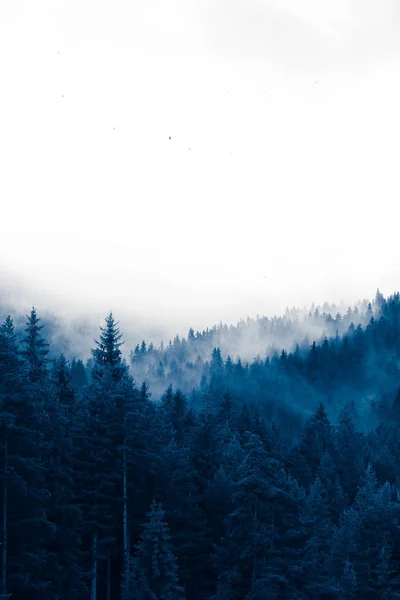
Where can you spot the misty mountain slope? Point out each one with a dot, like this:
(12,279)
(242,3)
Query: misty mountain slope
(358,365)
(284,365)
(265,361)
(274,478)
(185,361)
(73,335)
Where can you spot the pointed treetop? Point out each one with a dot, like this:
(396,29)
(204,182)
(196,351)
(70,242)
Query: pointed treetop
(108,353)
(9,355)
(7,334)
(37,348)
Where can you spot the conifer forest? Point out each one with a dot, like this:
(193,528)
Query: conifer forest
(257,461)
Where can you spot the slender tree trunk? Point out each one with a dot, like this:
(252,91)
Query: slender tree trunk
(5,523)
(93,591)
(108,578)
(125,516)
(273,526)
(253,577)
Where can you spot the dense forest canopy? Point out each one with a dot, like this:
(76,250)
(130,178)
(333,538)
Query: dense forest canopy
(242,462)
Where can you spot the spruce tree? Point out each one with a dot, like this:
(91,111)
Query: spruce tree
(154,563)
(107,354)
(24,459)
(348,582)
(36,349)
(78,374)
(65,563)
(247,541)
(319,530)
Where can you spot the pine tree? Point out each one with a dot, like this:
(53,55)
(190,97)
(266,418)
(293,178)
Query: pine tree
(9,374)
(174,410)
(36,350)
(363,535)
(319,529)
(224,413)
(155,564)
(247,540)
(98,475)
(217,365)
(25,497)
(348,582)
(107,354)
(348,454)
(317,439)
(189,528)
(62,381)
(78,374)
(378,513)
(64,566)
(329,480)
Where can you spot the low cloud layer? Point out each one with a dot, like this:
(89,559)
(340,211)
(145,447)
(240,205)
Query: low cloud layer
(306,36)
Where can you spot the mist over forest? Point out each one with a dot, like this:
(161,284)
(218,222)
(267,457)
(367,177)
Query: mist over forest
(256,460)
(272,353)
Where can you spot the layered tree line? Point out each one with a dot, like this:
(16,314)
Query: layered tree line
(275,478)
(183,361)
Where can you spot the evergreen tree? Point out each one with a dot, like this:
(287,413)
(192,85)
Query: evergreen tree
(155,564)
(25,497)
(247,540)
(107,354)
(329,480)
(316,440)
(319,527)
(78,374)
(348,454)
(65,560)
(348,582)
(36,349)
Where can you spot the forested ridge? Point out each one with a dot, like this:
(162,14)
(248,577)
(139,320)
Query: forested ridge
(198,471)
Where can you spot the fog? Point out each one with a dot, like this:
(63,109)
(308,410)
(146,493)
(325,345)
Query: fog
(278,186)
(71,328)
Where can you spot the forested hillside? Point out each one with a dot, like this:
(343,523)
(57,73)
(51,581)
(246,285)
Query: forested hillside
(200,470)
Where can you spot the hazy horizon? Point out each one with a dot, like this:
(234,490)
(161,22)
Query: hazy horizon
(17,297)
(192,162)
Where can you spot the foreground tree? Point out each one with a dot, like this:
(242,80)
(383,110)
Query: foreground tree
(154,564)
(25,497)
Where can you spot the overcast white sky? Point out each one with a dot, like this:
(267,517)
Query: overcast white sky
(279,186)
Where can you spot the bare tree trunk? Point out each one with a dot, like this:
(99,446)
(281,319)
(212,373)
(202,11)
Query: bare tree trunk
(125,516)
(108,579)
(253,577)
(5,523)
(273,526)
(93,590)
